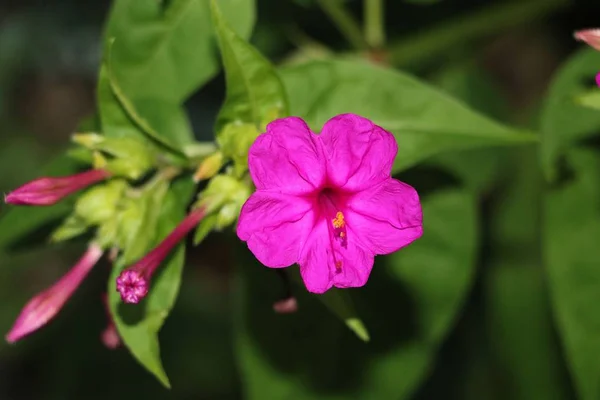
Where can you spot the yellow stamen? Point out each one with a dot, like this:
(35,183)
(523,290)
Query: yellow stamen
(338,221)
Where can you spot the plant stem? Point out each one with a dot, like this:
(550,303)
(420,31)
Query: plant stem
(344,21)
(374,23)
(420,47)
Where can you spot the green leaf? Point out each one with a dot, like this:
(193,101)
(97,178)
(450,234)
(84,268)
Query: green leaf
(165,49)
(141,337)
(590,99)
(205,227)
(564,120)
(255,93)
(424,120)
(516,293)
(164,121)
(477,168)
(314,356)
(114,119)
(571,254)
(19,221)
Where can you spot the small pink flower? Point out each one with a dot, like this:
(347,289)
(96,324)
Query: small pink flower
(47,191)
(589,36)
(286,306)
(110,336)
(134,282)
(327,202)
(43,307)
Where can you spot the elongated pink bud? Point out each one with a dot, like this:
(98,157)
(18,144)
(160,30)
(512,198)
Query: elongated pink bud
(134,282)
(43,307)
(589,36)
(48,190)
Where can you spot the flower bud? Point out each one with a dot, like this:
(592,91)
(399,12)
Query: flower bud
(589,36)
(47,190)
(43,307)
(134,283)
(209,167)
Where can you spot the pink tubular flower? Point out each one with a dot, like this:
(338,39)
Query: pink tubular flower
(134,282)
(327,202)
(43,307)
(590,36)
(47,190)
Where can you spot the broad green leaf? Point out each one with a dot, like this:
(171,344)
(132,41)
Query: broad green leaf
(141,337)
(114,119)
(165,49)
(410,303)
(18,221)
(424,120)
(571,254)
(564,120)
(516,294)
(521,332)
(477,168)
(163,121)
(254,90)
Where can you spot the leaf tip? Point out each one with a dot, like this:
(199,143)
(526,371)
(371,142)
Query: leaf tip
(357,326)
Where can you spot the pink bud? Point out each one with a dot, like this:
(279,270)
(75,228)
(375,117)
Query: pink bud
(110,336)
(47,190)
(589,36)
(286,306)
(43,307)
(598,79)
(134,282)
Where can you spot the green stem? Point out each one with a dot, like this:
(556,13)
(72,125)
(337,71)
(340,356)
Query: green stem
(490,20)
(344,21)
(374,23)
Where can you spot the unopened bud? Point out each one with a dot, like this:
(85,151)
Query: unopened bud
(589,36)
(209,167)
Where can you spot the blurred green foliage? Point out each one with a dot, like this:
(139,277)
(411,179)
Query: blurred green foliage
(495,301)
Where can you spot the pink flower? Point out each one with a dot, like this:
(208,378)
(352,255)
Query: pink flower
(134,282)
(589,36)
(43,307)
(47,191)
(110,336)
(327,202)
(286,306)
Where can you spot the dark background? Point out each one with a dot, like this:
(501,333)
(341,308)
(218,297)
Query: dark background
(49,53)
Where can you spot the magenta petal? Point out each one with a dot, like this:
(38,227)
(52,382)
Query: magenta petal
(386,217)
(319,258)
(275,226)
(287,158)
(316,260)
(356,266)
(359,153)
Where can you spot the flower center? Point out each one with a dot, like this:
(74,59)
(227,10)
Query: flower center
(331,205)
